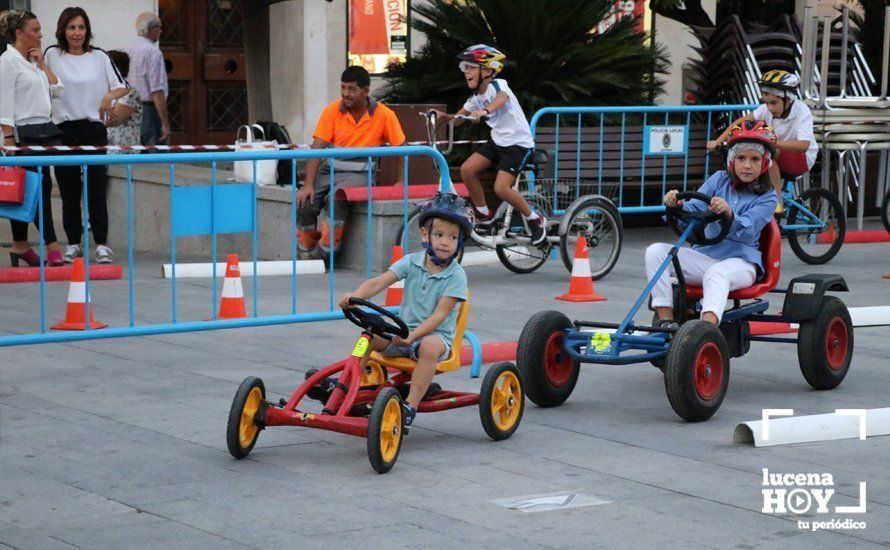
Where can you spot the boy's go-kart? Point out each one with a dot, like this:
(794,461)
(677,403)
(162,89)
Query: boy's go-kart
(695,357)
(369,404)
(572,208)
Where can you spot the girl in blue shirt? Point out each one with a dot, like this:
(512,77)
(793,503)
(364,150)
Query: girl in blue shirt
(743,195)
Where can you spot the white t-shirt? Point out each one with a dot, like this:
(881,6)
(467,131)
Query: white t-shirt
(508,124)
(798,125)
(87,77)
(24,91)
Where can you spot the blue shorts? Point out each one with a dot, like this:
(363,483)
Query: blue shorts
(410,351)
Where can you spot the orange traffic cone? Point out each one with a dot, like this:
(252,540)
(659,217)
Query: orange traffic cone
(581,285)
(231,304)
(75,313)
(395,290)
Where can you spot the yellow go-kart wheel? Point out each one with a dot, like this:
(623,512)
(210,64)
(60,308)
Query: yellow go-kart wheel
(242,431)
(385,430)
(501,400)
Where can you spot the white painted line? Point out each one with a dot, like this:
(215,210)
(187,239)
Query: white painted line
(816,427)
(870,316)
(549,501)
(282,267)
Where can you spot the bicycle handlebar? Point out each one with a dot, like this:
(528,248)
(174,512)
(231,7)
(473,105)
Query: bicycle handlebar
(431,127)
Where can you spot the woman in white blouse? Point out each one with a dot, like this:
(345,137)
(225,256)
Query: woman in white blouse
(91,84)
(26,85)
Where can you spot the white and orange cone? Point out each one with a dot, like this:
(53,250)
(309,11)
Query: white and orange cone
(581,285)
(231,304)
(396,290)
(75,313)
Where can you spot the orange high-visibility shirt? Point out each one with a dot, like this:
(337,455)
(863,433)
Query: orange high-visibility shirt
(377,126)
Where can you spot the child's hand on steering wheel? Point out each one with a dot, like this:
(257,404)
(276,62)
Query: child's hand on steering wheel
(712,145)
(720,206)
(670,199)
(344,299)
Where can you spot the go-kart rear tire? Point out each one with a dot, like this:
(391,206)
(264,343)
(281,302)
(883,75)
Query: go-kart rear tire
(696,375)
(825,345)
(501,400)
(242,432)
(548,372)
(385,430)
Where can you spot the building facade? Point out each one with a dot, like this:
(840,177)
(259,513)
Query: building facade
(309,48)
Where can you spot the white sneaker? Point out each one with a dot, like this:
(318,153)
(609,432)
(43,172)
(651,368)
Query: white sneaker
(72,251)
(104,255)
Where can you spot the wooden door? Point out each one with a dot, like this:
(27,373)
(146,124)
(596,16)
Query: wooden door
(204,54)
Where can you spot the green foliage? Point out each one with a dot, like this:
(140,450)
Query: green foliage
(553,57)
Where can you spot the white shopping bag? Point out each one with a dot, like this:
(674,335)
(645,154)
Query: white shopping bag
(266,170)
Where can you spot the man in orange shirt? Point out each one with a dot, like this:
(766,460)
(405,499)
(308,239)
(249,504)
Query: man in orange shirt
(356,120)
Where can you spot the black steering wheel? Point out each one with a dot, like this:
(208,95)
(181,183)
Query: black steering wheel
(701,219)
(375,323)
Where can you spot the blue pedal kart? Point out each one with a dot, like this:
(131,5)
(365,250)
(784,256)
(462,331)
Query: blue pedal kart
(695,357)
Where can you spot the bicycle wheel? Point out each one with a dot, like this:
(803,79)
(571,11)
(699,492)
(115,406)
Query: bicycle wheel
(523,257)
(410,239)
(885,211)
(825,225)
(599,223)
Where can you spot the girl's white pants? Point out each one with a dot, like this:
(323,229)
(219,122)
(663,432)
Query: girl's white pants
(716,277)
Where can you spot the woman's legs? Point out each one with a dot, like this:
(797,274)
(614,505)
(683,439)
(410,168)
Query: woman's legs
(20,242)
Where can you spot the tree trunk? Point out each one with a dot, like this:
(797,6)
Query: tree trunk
(256,53)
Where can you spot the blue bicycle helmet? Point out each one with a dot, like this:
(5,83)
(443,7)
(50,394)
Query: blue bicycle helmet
(453,208)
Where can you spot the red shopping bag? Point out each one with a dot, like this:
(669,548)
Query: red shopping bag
(12,184)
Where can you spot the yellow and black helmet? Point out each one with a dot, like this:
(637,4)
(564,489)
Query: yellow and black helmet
(779,80)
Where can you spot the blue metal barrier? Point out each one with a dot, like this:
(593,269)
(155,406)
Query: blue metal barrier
(212,210)
(647,120)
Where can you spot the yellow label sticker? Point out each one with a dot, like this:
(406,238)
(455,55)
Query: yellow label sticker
(600,341)
(361,347)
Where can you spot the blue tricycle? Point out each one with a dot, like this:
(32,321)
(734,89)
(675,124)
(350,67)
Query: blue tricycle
(695,357)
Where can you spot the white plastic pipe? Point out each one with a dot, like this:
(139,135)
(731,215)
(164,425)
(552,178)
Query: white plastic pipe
(870,316)
(283,267)
(788,430)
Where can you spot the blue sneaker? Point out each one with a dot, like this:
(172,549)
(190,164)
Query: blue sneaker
(408,415)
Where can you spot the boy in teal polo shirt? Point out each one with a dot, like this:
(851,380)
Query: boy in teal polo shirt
(434,285)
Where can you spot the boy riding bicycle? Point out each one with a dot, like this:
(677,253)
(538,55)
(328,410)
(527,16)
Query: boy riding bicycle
(434,284)
(792,122)
(511,143)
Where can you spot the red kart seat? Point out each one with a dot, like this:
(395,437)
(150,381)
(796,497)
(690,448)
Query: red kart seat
(771,248)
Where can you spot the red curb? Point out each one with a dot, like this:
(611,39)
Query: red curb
(55,274)
(859,237)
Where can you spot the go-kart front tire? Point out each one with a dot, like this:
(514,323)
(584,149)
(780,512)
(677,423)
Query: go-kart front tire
(242,431)
(549,373)
(385,430)
(825,345)
(501,400)
(696,373)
